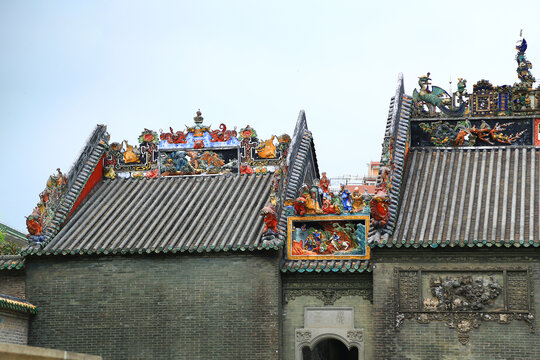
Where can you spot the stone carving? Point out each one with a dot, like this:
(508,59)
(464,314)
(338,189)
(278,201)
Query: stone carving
(518,298)
(408,290)
(355,335)
(321,323)
(328,297)
(464,298)
(303,335)
(328,292)
(462,293)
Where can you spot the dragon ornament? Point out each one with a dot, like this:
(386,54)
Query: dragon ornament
(435,97)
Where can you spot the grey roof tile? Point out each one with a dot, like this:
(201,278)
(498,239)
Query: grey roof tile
(175,214)
(469,197)
(11,262)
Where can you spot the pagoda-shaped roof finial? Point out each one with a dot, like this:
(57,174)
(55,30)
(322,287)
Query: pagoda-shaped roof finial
(198,119)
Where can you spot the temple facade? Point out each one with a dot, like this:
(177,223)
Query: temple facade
(212,243)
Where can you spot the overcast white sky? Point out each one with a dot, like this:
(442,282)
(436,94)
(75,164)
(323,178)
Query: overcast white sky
(66,66)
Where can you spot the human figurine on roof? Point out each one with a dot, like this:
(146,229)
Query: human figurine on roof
(357,201)
(324,183)
(345,198)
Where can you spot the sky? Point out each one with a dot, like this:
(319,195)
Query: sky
(66,66)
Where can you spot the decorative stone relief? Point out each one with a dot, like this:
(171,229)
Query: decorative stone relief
(329,294)
(464,298)
(355,335)
(303,335)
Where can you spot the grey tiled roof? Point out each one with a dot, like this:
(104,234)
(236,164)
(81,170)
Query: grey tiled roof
(11,262)
(167,214)
(11,231)
(469,197)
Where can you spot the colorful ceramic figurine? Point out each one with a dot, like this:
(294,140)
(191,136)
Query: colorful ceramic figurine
(328,207)
(379,209)
(524,65)
(346,198)
(434,96)
(267,149)
(130,155)
(245,168)
(270,218)
(300,206)
(357,201)
(324,183)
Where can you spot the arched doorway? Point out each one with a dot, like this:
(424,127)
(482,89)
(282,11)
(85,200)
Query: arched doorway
(330,349)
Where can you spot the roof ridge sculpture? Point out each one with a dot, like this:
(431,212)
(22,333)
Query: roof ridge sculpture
(290,182)
(385,203)
(62,192)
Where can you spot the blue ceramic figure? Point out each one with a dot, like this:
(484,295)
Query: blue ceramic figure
(346,198)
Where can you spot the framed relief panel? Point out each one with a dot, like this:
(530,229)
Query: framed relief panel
(328,237)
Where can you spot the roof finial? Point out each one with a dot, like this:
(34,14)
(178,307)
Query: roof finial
(198,119)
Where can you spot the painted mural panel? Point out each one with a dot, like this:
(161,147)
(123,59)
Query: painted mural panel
(328,237)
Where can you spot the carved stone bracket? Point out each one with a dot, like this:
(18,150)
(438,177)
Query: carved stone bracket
(355,335)
(328,297)
(303,335)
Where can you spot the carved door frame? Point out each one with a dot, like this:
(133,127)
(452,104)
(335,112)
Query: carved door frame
(311,335)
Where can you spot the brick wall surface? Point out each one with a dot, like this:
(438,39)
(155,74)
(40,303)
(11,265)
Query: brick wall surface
(12,283)
(293,310)
(218,306)
(436,340)
(13,328)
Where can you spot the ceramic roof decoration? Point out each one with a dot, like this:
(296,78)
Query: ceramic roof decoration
(112,184)
(17,304)
(485,100)
(44,212)
(198,150)
(11,262)
(63,193)
(469,178)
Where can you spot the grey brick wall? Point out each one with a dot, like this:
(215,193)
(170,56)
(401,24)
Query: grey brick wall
(436,340)
(13,327)
(212,306)
(293,310)
(12,283)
